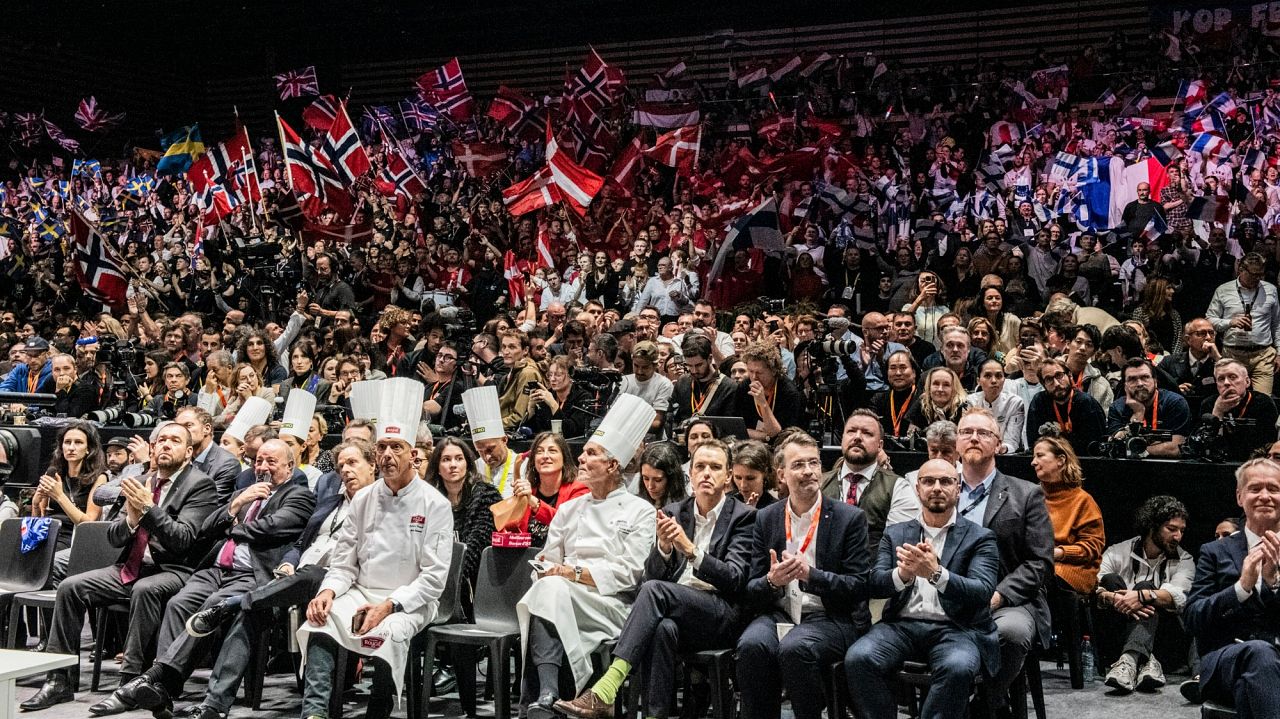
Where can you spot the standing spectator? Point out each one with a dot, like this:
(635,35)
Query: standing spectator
(646,383)
(1246,314)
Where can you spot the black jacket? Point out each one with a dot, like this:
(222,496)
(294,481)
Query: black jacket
(269,535)
(728,558)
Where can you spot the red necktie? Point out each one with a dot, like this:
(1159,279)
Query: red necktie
(851,497)
(226,555)
(132,567)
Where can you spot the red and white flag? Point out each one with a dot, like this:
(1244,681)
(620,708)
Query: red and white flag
(398,176)
(577,185)
(514,270)
(537,191)
(666,115)
(321,113)
(480,159)
(98,272)
(623,172)
(297,83)
(545,258)
(597,83)
(92,118)
(519,113)
(230,165)
(446,89)
(678,148)
(342,145)
(310,173)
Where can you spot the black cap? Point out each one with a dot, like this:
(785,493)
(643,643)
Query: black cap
(118,442)
(622,327)
(36,345)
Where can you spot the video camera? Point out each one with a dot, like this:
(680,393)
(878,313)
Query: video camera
(1131,446)
(600,380)
(1207,442)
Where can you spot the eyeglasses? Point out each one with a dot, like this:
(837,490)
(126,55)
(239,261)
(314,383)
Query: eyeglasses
(1059,377)
(943,482)
(1204,333)
(975,432)
(801,464)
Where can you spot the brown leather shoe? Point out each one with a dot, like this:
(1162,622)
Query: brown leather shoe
(586,706)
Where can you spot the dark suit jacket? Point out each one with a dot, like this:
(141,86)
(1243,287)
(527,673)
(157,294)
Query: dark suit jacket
(223,467)
(728,557)
(1177,369)
(173,526)
(271,533)
(874,500)
(1213,613)
(843,560)
(1016,513)
(972,561)
(324,507)
(247,477)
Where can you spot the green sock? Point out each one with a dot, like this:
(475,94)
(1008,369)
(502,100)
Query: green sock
(609,684)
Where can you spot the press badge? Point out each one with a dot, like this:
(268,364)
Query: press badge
(417,523)
(847,293)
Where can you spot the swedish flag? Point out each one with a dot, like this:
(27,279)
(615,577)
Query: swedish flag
(11,228)
(52,230)
(181,150)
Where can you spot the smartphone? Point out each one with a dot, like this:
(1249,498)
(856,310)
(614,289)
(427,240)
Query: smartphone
(540,566)
(1027,342)
(357,621)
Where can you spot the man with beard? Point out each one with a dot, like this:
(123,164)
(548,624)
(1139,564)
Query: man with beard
(938,572)
(1156,410)
(1236,404)
(702,390)
(1079,417)
(1143,583)
(958,355)
(157,536)
(860,480)
(809,570)
(1015,510)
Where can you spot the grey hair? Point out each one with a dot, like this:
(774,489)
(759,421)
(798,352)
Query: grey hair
(1264,462)
(941,431)
(955,329)
(424,434)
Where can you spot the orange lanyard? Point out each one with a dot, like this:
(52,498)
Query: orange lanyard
(1247,399)
(813,526)
(221,397)
(1065,424)
(1078,381)
(1155,412)
(696,404)
(773,396)
(33,379)
(895,415)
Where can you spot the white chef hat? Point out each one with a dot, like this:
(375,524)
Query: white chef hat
(484,414)
(400,409)
(253,412)
(299,408)
(624,427)
(366,396)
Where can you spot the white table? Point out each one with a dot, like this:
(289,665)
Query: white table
(16,665)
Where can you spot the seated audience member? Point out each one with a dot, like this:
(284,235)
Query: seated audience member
(549,479)
(1008,408)
(161,520)
(1014,509)
(942,398)
(561,399)
(768,400)
(1147,408)
(1237,401)
(1232,607)
(645,382)
(860,479)
(65,490)
(210,458)
(939,610)
(691,597)
(703,390)
(1142,585)
(1191,369)
(693,432)
(1079,417)
(298,575)
(593,564)
(754,482)
(1083,342)
(499,465)
(452,471)
(1078,534)
(662,479)
(825,600)
(900,400)
(255,530)
(940,443)
(389,565)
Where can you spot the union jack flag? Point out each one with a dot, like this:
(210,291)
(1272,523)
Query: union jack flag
(419,115)
(92,118)
(297,83)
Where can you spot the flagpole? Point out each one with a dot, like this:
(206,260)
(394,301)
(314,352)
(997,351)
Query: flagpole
(253,216)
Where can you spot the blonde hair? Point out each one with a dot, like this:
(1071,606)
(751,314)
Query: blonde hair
(933,412)
(1072,474)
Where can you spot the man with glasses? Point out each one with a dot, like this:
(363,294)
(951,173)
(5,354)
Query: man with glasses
(668,293)
(444,392)
(1079,417)
(1147,408)
(809,571)
(874,348)
(938,572)
(1246,312)
(1191,370)
(1015,511)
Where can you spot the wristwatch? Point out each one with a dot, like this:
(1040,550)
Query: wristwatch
(935,577)
(396,607)
(577,574)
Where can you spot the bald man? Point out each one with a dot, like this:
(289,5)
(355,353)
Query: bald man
(874,348)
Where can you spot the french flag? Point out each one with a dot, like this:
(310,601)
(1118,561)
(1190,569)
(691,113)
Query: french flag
(1191,93)
(1210,145)
(1109,184)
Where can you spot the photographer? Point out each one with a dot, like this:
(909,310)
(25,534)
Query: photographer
(444,391)
(1237,401)
(1154,409)
(702,390)
(175,396)
(77,396)
(561,399)
(522,377)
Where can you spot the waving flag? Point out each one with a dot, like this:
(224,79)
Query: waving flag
(757,229)
(816,63)
(1155,227)
(310,173)
(1223,103)
(480,159)
(514,270)
(1107,184)
(57,135)
(92,118)
(1210,145)
(419,115)
(519,113)
(666,115)
(297,83)
(230,165)
(678,148)
(343,147)
(623,171)
(99,274)
(537,191)
(181,149)
(577,184)
(321,112)
(398,175)
(597,83)
(446,89)
(86,167)
(1191,93)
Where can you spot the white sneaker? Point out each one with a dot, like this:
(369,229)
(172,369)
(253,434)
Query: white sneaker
(1122,674)
(1151,677)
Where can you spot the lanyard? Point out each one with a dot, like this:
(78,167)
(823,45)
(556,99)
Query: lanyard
(696,404)
(33,379)
(1078,381)
(506,468)
(895,415)
(1155,412)
(1245,408)
(813,526)
(1065,424)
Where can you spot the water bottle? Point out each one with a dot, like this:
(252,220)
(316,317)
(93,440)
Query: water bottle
(1088,661)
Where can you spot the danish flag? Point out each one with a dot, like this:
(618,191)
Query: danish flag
(480,159)
(678,148)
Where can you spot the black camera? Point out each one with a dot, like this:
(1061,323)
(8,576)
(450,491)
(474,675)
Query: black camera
(1207,442)
(1131,446)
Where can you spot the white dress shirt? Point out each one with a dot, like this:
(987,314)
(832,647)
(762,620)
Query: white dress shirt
(864,479)
(796,602)
(924,602)
(703,528)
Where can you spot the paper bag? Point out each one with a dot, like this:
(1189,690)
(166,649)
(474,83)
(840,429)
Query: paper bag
(508,512)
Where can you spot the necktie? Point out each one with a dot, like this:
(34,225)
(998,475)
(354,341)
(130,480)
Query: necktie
(851,497)
(132,567)
(974,497)
(226,555)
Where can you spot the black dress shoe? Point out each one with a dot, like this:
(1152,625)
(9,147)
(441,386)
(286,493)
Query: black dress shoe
(197,711)
(544,707)
(56,690)
(443,681)
(149,695)
(112,705)
(206,621)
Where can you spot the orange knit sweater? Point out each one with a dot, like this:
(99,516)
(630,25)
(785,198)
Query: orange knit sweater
(1077,529)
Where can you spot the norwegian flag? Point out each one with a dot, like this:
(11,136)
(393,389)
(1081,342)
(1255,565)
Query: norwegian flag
(597,83)
(577,185)
(678,148)
(623,172)
(446,89)
(297,83)
(480,159)
(96,269)
(310,173)
(534,193)
(92,118)
(343,147)
(419,115)
(400,175)
(518,112)
(230,165)
(514,271)
(319,115)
